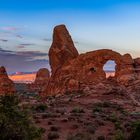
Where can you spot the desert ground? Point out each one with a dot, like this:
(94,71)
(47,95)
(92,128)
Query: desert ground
(100,115)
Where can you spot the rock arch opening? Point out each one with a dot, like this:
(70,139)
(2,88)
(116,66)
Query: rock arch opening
(109,68)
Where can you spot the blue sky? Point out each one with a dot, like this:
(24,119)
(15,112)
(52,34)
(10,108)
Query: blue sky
(26,28)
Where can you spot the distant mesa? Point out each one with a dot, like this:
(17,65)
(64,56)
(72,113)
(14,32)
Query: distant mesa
(6,85)
(4,40)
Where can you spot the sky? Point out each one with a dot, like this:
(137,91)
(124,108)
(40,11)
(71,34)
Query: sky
(26,28)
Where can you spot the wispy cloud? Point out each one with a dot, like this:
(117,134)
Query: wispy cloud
(9,28)
(22,60)
(31,54)
(27,44)
(47,39)
(19,36)
(20,47)
(4,40)
(76,42)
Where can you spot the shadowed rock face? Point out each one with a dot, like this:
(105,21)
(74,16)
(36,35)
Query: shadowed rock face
(62,49)
(73,72)
(137,66)
(6,85)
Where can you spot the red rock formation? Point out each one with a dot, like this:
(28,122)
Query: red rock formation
(127,72)
(42,78)
(6,85)
(62,49)
(73,72)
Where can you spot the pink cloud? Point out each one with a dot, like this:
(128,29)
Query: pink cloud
(9,28)
(19,36)
(20,47)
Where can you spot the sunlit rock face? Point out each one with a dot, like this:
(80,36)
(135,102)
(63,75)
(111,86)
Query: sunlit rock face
(62,49)
(73,72)
(6,85)
(41,80)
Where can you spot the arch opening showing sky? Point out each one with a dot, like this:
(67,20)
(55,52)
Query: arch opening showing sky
(109,68)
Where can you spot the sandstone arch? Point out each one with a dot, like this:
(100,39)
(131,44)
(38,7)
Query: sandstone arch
(86,69)
(96,60)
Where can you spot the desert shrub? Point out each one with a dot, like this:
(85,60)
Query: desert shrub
(16,123)
(91,129)
(101,138)
(135,131)
(53,135)
(54,128)
(119,135)
(41,107)
(79,136)
(77,110)
(96,109)
(113,118)
(49,115)
(107,104)
(117,125)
